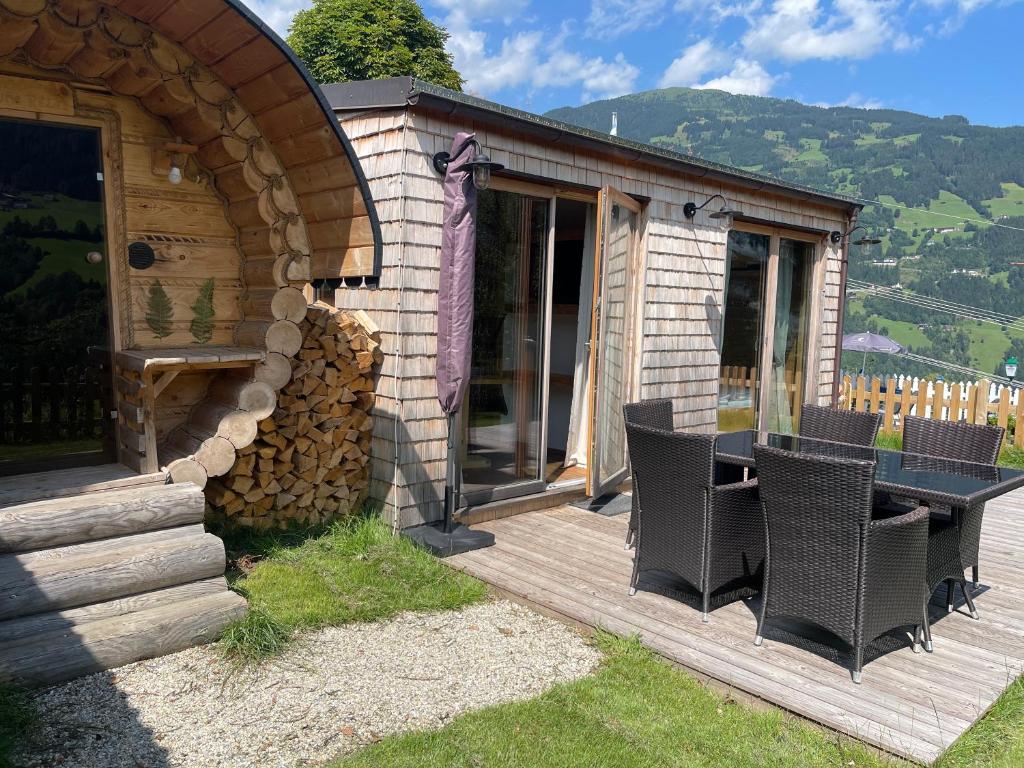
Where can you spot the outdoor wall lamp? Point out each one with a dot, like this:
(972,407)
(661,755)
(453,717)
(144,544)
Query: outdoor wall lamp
(1011,368)
(837,237)
(725,213)
(171,159)
(481,165)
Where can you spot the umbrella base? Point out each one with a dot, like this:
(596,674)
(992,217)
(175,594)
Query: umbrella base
(434,539)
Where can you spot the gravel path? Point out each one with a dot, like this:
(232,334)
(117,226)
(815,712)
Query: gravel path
(330,693)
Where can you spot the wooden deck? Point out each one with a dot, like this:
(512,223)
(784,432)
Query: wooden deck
(572,563)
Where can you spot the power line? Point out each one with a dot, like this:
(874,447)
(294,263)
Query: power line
(928,302)
(938,305)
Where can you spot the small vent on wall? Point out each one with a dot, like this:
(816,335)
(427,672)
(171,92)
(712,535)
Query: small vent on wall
(140,255)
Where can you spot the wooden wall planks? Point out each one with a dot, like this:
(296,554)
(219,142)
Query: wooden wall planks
(685,268)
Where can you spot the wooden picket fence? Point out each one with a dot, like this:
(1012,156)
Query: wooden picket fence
(976,402)
(51,404)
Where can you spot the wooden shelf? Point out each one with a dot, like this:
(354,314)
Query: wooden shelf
(143,374)
(188,358)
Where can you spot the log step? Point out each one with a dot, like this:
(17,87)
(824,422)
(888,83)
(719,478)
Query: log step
(77,575)
(89,517)
(32,627)
(93,646)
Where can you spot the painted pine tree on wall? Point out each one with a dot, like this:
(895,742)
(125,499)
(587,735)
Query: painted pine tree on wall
(159,311)
(201,326)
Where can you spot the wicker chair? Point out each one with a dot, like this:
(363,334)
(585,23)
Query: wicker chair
(852,427)
(954,540)
(646,413)
(710,536)
(827,562)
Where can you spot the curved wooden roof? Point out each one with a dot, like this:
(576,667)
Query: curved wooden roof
(274,86)
(227,83)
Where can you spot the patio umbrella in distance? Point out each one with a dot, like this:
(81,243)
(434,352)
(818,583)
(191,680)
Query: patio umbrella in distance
(870,342)
(455,340)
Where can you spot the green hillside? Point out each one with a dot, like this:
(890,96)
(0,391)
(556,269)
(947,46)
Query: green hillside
(934,174)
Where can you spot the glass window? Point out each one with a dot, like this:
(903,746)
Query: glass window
(745,277)
(503,409)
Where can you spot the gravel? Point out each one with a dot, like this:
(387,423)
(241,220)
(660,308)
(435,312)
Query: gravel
(332,692)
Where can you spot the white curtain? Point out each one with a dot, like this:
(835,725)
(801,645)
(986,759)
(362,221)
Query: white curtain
(576,444)
(782,418)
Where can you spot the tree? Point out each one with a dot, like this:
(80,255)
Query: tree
(368,39)
(201,326)
(159,311)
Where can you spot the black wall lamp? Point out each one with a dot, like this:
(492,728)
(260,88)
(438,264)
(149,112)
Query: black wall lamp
(481,165)
(837,237)
(725,212)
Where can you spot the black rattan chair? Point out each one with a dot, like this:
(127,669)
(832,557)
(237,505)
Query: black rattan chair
(954,538)
(646,413)
(712,537)
(852,427)
(827,562)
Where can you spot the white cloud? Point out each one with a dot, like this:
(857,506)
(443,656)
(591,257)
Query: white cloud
(798,30)
(484,10)
(277,14)
(536,60)
(720,10)
(693,63)
(611,18)
(746,77)
(855,100)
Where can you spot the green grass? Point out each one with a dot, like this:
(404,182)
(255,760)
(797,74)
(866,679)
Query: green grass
(905,333)
(65,256)
(997,741)
(902,141)
(867,139)
(1011,203)
(354,570)
(988,344)
(1009,456)
(65,210)
(812,152)
(17,716)
(636,710)
(920,219)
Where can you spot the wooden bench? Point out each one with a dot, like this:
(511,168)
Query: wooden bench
(141,375)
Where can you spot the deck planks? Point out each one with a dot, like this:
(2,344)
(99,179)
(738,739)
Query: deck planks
(571,562)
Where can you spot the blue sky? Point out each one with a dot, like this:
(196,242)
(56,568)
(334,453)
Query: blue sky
(936,57)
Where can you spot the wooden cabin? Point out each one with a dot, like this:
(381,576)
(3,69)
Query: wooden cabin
(175,182)
(582,231)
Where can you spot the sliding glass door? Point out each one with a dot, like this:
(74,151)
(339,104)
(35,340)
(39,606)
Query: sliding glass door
(745,280)
(790,333)
(765,331)
(503,414)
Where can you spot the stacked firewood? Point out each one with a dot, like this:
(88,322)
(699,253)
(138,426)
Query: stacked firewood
(310,460)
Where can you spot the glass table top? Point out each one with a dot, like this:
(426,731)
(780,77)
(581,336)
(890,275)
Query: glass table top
(926,477)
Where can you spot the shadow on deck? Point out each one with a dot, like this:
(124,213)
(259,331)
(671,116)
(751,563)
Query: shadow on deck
(571,563)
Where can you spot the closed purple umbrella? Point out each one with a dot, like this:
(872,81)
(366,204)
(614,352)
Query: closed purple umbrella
(455,337)
(455,294)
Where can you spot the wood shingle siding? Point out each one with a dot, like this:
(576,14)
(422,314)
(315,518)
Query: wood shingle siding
(682,275)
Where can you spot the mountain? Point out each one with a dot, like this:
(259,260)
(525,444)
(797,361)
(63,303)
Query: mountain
(945,170)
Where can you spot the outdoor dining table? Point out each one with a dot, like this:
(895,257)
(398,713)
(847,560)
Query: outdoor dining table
(937,481)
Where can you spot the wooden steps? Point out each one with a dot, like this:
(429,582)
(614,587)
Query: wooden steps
(21,489)
(55,522)
(101,579)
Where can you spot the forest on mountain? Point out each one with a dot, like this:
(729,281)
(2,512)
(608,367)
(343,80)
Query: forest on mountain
(943,182)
